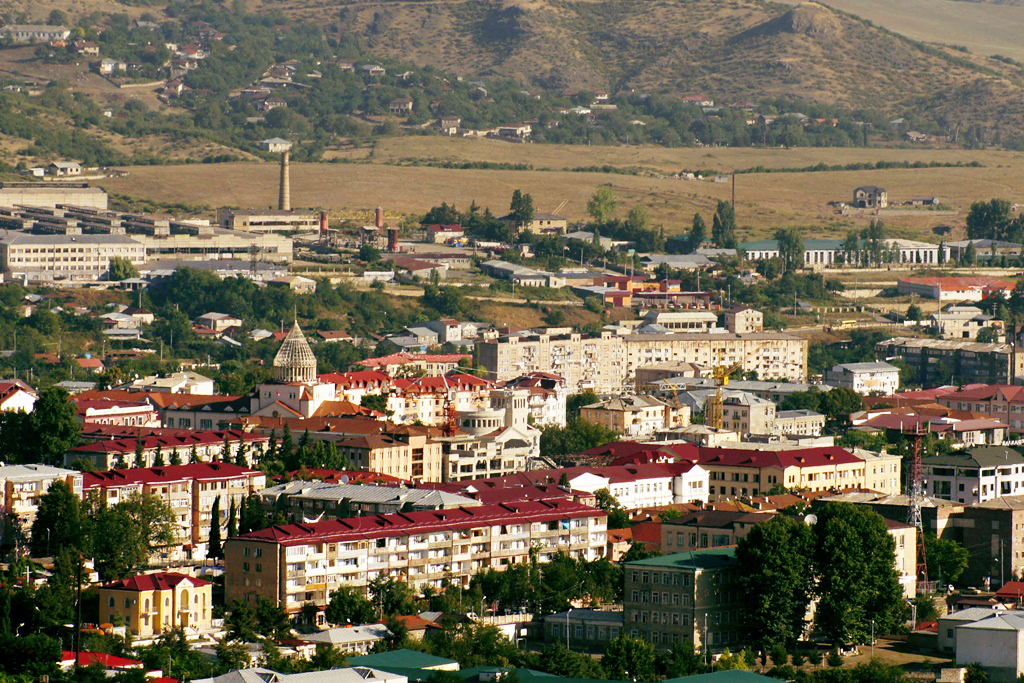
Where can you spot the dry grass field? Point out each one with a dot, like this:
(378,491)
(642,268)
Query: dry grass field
(765,201)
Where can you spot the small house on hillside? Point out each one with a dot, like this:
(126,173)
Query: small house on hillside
(870,197)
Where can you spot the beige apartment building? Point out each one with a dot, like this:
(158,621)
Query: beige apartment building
(23,485)
(740,472)
(151,604)
(189,490)
(73,257)
(744,320)
(770,355)
(745,413)
(585,362)
(411,456)
(295,564)
(636,415)
(607,363)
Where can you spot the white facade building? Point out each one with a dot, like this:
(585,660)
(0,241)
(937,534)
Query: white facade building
(866,378)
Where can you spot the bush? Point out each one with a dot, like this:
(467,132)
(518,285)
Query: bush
(834,659)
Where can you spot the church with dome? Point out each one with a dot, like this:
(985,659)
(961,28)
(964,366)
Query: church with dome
(295,390)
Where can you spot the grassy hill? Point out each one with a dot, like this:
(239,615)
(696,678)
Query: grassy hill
(730,50)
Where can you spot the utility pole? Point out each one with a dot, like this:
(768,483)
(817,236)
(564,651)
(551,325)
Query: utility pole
(78,615)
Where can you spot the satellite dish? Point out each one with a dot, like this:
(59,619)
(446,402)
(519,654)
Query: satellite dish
(343,479)
(811,519)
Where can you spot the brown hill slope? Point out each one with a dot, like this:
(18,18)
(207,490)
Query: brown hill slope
(728,49)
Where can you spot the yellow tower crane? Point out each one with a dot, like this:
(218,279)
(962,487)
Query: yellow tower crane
(713,406)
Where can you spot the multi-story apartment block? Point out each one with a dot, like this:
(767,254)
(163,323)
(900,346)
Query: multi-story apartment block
(865,378)
(427,400)
(411,455)
(1000,402)
(189,490)
(684,598)
(585,362)
(770,355)
(742,472)
(744,320)
(935,362)
(702,529)
(799,422)
(78,257)
(23,485)
(637,415)
(976,476)
(172,449)
(309,500)
(151,604)
(964,322)
(747,414)
(547,396)
(295,564)
(110,411)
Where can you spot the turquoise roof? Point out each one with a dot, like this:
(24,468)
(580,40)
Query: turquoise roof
(698,559)
(404,659)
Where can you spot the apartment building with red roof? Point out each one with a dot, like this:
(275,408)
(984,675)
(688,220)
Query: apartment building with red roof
(176,447)
(404,362)
(299,563)
(1001,402)
(189,490)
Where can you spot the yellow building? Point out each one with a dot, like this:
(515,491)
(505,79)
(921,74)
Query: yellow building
(151,604)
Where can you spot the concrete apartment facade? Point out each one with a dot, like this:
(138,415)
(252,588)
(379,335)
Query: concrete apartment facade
(684,598)
(865,378)
(935,361)
(294,564)
(23,485)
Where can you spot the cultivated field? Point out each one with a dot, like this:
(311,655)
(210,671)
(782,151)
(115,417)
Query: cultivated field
(985,28)
(765,201)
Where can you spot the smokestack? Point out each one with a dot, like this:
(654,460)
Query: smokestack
(393,240)
(380,218)
(323,223)
(284,200)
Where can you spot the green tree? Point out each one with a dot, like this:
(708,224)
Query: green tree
(698,233)
(521,209)
(251,516)
(377,402)
(618,518)
(390,596)
(232,521)
(54,425)
(970,256)
(723,226)
(121,269)
(839,403)
(989,220)
(601,205)
(987,335)
(193,455)
(857,579)
(914,312)
(791,248)
(349,606)
(947,560)
(59,522)
(627,658)
(368,254)
(558,660)
(127,534)
(577,435)
(779,580)
(215,549)
(576,401)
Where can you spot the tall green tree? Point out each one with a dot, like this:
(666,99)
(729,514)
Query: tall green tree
(521,209)
(791,248)
(946,559)
(59,522)
(127,534)
(777,582)
(232,521)
(215,549)
(626,658)
(698,233)
(577,435)
(601,205)
(989,220)
(54,426)
(348,605)
(121,269)
(723,226)
(390,596)
(857,579)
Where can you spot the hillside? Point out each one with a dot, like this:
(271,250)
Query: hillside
(731,51)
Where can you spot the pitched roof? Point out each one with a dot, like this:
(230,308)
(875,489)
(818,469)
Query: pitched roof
(711,558)
(986,456)
(160,581)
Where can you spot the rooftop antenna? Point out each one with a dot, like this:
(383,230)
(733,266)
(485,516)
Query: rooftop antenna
(915,495)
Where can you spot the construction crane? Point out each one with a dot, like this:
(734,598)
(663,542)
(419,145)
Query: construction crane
(713,406)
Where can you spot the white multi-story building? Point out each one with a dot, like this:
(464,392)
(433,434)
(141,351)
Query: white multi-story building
(975,476)
(23,485)
(865,378)
(71,257)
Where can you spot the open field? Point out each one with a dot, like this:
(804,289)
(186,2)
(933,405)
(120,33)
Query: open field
(983,27)
(765,201)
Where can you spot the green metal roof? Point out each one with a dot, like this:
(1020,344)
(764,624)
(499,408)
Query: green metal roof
(699,559)
(985,456)
(404,659)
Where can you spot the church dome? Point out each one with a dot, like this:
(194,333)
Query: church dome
(295,361)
